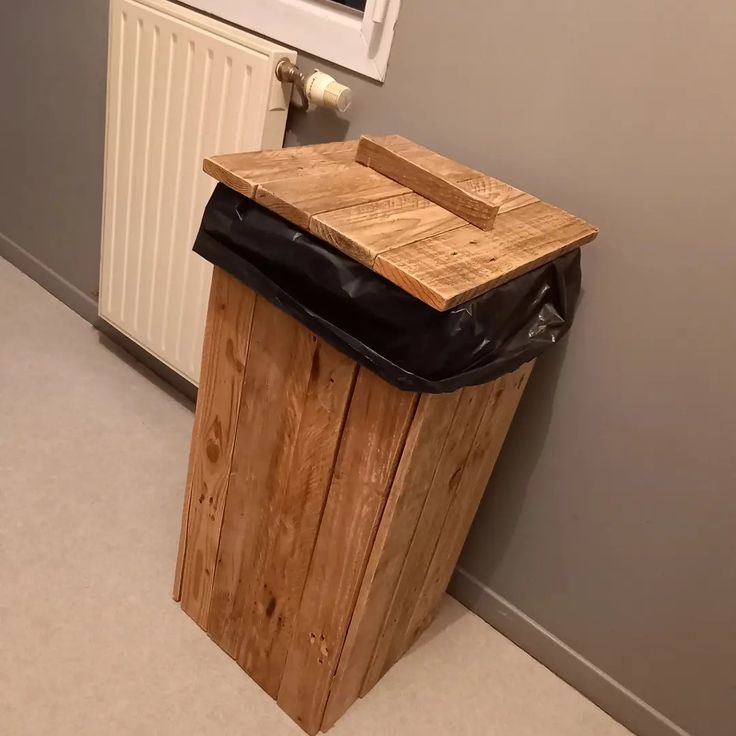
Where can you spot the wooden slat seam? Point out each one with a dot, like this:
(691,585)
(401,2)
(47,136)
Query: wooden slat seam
(222,310)
(186,511)
(481,233)
(179,582)
(182,553)
(258,569)
(436,299)
(343,421)
(516,388)
(386,250)
(365,153)
(311,217)
(287,482)
(488,410)
(348,206)
(236,424)
(407,491)
(258,187)
(436,235)
(407,631)
(392,477)
(395,247)
(430,482)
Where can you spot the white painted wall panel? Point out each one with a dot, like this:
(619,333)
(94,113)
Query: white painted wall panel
(180,86)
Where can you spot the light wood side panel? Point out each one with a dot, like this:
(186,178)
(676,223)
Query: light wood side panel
(293,522)
(297,199)
(373,438)
(244,171)
(418,463)
(229,320)
(451,268)
(278,369)
(364,231)
(446,477)
(413,173)
(486,448)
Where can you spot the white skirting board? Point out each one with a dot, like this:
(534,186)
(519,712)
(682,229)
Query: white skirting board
(181,86)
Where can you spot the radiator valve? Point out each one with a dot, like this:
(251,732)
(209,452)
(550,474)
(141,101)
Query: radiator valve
(318,88)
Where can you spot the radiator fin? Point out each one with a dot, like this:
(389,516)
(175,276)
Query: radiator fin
(180,86)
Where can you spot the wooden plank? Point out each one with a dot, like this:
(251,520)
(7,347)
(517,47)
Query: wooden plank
(449,269)
(486,448)
(278,369)
(413,173)
(297,199)
(466,419)
(292,526)
(228,328)
(211,368)
(364,231)
(373,438)
(510,197)
(435,162)
(244,171)
(423,248)
(417,467)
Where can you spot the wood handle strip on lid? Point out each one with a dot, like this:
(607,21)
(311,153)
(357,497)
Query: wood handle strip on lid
(402,161)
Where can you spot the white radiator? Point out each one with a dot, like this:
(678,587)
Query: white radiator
(180,86)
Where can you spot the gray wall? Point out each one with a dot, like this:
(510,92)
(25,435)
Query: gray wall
(606,543)
(53,58)
(611,519)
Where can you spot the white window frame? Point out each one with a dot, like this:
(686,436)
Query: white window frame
(330,31)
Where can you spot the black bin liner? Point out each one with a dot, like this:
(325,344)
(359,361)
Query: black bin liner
(403,340)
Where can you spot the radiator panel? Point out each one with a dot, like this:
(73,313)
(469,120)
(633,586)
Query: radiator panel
(180,86)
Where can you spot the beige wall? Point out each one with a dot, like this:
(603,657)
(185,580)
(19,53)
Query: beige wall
(611,520)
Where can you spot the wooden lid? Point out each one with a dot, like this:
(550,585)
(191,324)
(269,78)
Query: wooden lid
(438,229)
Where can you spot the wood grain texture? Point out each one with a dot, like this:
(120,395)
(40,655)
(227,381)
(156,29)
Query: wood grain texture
(229,320)
(451,268)
(489,439)
(277,373)
(418,464)
(372,441)
(364,231)
(243,172)
(444,482)
(441,165)
(293,519)
(211,367)
(399,164)
(298,199)
(417,239)
(509,197)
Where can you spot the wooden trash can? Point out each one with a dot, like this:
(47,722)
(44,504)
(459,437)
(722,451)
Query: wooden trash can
(326,509)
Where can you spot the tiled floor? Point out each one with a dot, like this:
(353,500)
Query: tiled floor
(93,456)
